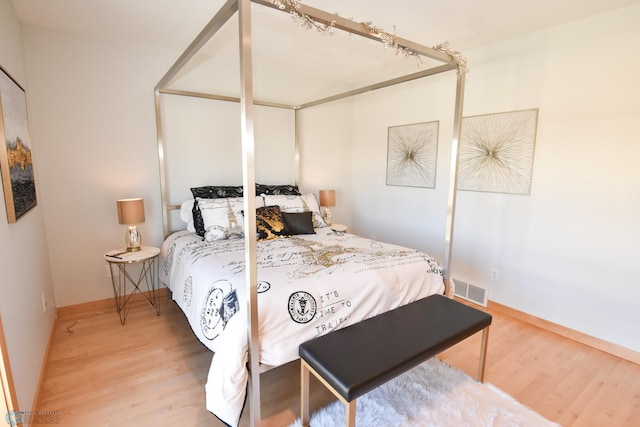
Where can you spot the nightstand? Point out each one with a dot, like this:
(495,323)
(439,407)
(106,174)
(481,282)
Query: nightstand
(119,260)
(338,228)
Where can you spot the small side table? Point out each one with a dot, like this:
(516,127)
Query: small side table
(118,260)
(338,228)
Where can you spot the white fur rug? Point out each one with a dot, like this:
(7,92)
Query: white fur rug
(432,394)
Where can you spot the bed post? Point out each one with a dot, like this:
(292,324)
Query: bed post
(453,183)
(249,183)
(161,164)
(297,145)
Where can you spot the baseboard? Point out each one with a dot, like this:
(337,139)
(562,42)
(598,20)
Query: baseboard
(77,310)
(597,343)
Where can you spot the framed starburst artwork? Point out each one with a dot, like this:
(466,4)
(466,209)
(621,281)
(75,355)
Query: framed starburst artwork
(411,155)
(496,152)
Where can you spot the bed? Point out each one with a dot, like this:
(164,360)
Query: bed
(240,281)
(311,280)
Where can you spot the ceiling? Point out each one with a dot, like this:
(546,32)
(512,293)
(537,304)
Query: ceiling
(173,24)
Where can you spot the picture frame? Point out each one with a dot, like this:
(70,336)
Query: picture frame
(412,153)
(16,163)
(497,151)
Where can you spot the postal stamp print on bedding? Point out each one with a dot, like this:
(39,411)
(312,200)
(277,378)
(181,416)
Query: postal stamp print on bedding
(220,304)
(168,259)
(187,292)
(302,307)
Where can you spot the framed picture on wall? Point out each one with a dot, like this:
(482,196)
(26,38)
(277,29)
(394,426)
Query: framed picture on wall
(16,164)
(496,152)
(411,155)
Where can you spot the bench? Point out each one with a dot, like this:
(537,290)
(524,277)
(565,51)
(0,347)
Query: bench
(358,358)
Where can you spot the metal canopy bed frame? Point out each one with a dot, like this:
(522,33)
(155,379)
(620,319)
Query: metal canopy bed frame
(449,61)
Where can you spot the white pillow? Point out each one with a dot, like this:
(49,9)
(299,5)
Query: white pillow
(294,204)
(186,214)
(223,217)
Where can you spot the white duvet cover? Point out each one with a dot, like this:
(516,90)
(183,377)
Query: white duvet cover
(308,285)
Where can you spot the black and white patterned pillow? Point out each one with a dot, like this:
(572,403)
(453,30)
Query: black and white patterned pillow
(217,191)
(211,192)
(222,218)
(291,190)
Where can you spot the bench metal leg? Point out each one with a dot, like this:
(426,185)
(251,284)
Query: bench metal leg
(483,354)
(351,413)
(304,396)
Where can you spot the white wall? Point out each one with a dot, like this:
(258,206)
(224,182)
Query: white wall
(411,216)
(203,137)
(24,261)
(568,252)
(325,154)
(92,110)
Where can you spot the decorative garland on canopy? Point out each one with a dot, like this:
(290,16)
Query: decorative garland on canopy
(303,20)
(388,40)
(457,56)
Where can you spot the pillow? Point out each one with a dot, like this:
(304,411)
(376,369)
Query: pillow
(210,192)
(217,191)
(296,204)
(277,189)
(269,223)
(298,223)
(222,218)
(186,214)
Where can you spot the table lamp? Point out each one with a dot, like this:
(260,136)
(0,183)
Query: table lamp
(131,211)
(327,199)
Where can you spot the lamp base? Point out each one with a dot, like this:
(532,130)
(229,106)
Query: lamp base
(327,216)
(133,239)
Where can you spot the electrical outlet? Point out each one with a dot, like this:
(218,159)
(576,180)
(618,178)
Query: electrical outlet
(44,302)
(495,275)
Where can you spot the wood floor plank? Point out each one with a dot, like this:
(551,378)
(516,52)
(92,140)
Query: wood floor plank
(152,372)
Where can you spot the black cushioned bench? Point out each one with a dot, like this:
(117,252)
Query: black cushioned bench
(356,359)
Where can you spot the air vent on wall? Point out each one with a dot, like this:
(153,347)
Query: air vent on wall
(470,292)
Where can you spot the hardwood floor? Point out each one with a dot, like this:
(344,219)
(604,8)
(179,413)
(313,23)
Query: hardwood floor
(152,371)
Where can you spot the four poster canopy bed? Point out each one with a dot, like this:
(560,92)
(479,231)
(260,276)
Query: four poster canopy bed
(257,271)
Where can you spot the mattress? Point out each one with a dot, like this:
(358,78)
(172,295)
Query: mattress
(308,285)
